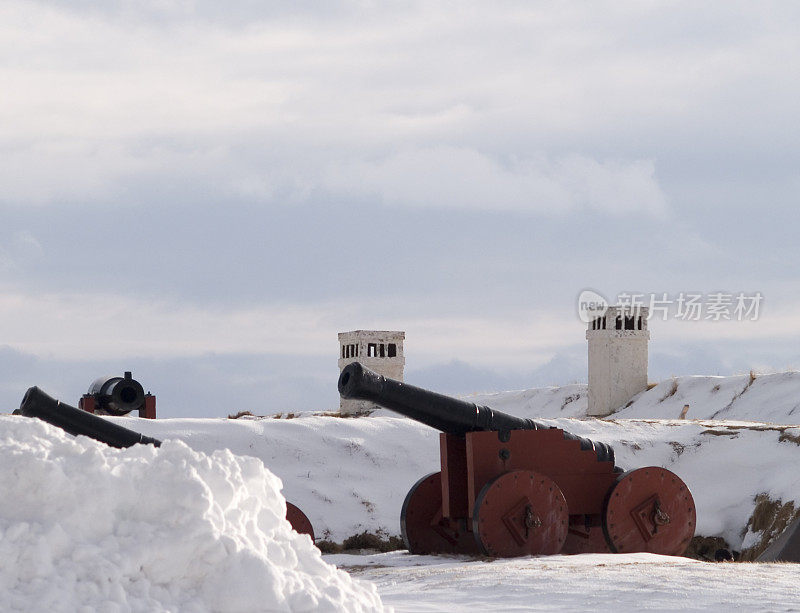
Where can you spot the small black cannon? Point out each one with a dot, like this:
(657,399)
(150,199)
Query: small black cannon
(74,421)
(510,486)
(118,396)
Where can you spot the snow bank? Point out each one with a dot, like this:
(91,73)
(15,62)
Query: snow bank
(84,527)
(347,475)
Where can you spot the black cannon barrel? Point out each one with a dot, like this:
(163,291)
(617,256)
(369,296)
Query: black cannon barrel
(117,395)
(75,421)
(442,412)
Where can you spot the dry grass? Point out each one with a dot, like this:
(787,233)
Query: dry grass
(791,438)
(326,546)
(241,414)
(705,547)
(569,399)
(729,432)
(365,540)
(770,518)
(293,415)
(671,391)
(343,415)
(677,447)
(738,395)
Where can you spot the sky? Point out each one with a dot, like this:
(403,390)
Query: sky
(206,193)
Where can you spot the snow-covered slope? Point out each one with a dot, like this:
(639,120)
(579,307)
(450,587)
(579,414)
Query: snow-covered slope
(565,401)
(773,398)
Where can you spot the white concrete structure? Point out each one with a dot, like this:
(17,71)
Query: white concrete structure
(617,358)
(378,350)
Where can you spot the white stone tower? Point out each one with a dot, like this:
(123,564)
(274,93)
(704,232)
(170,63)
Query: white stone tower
(617,358)
(378,350)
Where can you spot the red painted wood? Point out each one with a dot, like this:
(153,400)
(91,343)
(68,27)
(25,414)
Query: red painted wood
(423,527)
(453,453)
(650,510)
(149,409)
(520,513)
(585,535)
(581,477)
(87,403)
(299,521)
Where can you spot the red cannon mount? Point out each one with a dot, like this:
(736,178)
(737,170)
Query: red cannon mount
(535,492)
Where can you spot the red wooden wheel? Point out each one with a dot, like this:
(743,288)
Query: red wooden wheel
(299,521)
(424,529)
(520,513)
(649,510)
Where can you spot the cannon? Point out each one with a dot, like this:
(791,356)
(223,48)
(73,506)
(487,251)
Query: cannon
(37,403)
(118,396)
(510,486)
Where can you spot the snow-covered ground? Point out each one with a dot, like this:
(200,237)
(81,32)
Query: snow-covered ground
(588,582)
(771,398)
(146,529)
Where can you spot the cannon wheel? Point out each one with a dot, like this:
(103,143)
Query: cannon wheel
(520,513)
(300,523)
(649,510)
(422,526)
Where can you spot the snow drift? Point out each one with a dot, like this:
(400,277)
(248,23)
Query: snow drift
(84,527)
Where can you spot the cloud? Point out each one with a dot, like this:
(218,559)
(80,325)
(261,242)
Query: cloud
(100,325)
(453,177)
(251,178)
(95,325)
(104,325)
(520,107)
(20,250)
(431,177)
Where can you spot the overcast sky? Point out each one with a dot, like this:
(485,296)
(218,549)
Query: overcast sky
(205,193)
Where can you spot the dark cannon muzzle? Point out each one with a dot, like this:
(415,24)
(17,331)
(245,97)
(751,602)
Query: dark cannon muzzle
(117,395)
(442,412)
(75,421)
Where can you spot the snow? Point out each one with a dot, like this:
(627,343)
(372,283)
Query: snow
(197,524)
(351,475)
(773,398)
(84,527)
(565,401)
(347,475)
(588,582)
